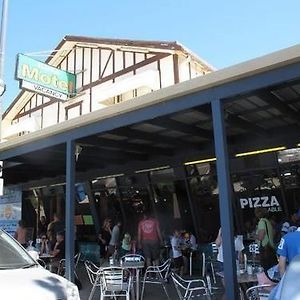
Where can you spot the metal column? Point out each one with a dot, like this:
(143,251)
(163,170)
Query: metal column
(225,197)
(70,209)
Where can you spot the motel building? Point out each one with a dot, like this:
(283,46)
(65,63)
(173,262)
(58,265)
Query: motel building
(136,125)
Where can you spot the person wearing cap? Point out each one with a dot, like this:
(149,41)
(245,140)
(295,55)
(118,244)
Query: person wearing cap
(292,224)
(288,248)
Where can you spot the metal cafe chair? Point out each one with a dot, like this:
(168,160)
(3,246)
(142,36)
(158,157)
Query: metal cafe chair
(115,282)
(209,254)
(187,289)
(62,265)
(157,275)
(94,276)
(259,292)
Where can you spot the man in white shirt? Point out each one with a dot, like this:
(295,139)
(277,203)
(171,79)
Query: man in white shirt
(176,243)
(114,240)
(238,245)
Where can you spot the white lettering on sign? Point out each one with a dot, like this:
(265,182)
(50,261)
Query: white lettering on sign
(43,90)
(264,201)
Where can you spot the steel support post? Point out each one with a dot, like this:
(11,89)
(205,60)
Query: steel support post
(70,209)
(225,198)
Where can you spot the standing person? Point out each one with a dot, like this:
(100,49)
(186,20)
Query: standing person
(238,247)
(58,251)
(57,225)
(114,240)
(21,234)
(149,239)
(104,237)
(43,226)
(265,239)
(288,248)
(176,243)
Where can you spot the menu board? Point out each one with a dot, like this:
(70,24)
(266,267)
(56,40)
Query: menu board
(10,209)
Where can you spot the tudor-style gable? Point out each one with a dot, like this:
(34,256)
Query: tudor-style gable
(108,71)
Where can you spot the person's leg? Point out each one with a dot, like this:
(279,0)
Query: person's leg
(155,252)
(185,264)
(147,253)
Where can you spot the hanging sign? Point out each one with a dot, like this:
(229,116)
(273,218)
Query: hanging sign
(44,79)
(10,209)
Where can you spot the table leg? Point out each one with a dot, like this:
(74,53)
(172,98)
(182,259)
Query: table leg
(191,263)
(137,284)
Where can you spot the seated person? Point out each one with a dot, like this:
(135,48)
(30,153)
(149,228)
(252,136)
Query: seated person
(58,251)
(126,245)
(45,245)
(188,245)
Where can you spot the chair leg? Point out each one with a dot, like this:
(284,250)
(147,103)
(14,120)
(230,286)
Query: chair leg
(162,280)
(203,265)
(213,272)
(92,292)
(143,288)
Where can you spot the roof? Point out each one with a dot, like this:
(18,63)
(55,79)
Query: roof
(261,100)
(69,41)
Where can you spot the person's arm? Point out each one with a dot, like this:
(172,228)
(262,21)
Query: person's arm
(218,240)
(101,239)
(260,234)
(261,230)
(56,250)
(282,265)
(16,235)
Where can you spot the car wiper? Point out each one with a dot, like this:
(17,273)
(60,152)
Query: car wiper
(29,266)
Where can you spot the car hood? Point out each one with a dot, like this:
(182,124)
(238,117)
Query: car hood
(32,284)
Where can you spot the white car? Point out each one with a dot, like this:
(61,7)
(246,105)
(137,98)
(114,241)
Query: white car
(21,277)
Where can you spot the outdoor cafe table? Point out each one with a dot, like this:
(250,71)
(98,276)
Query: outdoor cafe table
(137,266)
(245,280)
(46,258)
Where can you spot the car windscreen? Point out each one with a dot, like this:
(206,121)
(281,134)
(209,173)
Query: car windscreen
(12,255)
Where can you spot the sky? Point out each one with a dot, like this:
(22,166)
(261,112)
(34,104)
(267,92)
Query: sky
(221,32)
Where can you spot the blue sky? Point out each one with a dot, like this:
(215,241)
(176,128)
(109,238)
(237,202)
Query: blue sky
(221,32)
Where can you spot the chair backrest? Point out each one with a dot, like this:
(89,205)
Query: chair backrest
(77,259)
(132,258)
(62,264)
(115,278)
(92,271)
(164,269)
(185,288)
(180,285)
(258,292)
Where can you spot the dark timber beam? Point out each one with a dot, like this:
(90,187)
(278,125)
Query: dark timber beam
(284,108)
(125,145)
(154,137)
(181,127)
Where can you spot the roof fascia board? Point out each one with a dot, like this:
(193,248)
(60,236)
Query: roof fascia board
(262,72)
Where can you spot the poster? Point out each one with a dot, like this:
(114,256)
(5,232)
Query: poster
(10,209)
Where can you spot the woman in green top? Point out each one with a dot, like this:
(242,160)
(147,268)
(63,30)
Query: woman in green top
(265,239)
(264,232)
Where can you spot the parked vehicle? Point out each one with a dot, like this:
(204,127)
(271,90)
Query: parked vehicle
(21,277)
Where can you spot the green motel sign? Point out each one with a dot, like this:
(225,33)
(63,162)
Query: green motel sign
(42,78)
